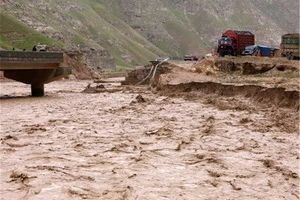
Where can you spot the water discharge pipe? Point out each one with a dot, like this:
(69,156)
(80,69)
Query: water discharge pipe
(154,72)
(165,60)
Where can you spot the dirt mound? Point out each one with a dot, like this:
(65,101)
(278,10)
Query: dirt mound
(267,96)
(229,76)
(254,65)
(214,69)
(144,75)
(244,67)
(205,66)
(136,75)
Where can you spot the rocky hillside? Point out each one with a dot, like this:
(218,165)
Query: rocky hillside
(131,32)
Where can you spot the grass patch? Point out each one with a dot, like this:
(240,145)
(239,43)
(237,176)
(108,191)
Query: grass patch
(15,34)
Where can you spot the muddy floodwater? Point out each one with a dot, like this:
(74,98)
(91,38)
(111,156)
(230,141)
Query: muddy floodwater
(133,143)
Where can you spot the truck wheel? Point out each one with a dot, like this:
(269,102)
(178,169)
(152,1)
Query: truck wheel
(230,52)
(222,53)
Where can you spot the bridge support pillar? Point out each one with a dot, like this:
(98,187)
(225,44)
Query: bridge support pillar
(37,89)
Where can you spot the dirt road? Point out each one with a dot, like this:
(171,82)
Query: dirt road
(135,144)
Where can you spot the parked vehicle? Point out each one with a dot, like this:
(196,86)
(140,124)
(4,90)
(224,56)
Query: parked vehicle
(260,50)
(40,47)
(190,58)
(234,42)
(290,46)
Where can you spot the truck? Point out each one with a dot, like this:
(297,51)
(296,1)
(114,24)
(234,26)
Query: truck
(234,42)
(289,46)
(190,58)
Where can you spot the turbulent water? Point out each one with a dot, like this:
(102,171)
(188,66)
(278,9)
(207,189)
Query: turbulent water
(133,144)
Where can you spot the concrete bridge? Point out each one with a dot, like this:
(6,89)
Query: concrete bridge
(34,68)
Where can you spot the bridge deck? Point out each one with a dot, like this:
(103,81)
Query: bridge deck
(35,68)
(18,60)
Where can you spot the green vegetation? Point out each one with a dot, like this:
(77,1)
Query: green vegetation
(78,40)
(142,30)
(14,34)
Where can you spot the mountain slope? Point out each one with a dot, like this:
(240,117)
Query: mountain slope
(193,23)
(135,31)
(15,34)
(84,24)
